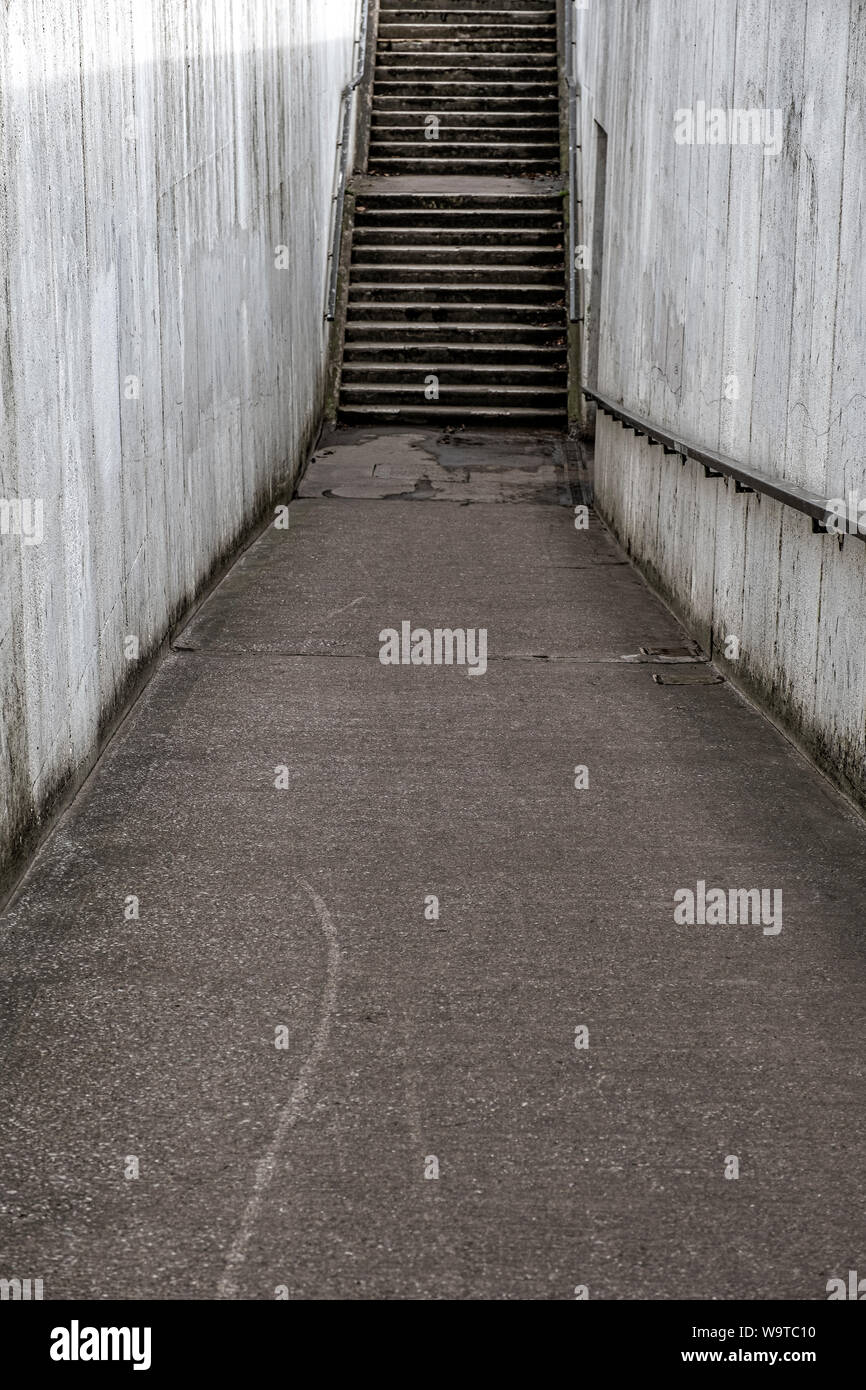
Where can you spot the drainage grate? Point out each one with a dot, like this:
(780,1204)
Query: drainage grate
(683,652)
(689,675)
(677,654)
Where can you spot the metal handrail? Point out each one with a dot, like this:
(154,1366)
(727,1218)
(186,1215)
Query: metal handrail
(339,198)
(716,465)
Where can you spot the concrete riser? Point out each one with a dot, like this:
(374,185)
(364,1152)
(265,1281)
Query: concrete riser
(522,11)
(367,334)
(473,240)
(454,398)
(510,416)
(498,53)
(513,294)
(459,223)
(493,105)
(443,86)
(504,312)
(483,168)
(412,136)
(503,356)
(524,208)
(485,142)
(469,10)
(414,121)
(459,34)
(534,278)
(486,375)
(490,257)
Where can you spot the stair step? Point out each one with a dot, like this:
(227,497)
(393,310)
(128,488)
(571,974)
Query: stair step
(461,144)
(465,31)
(438,310)
(457,257)
(480,333)
(460,292)
(517,204)
(460,376)
(481,52)
(530,9)
(465,13)
(502,355)
(478,60)
(482,92)
(463,234)
(505,70)
(410,157)
(417,132)
(539,103)
(416,26)
(444,415)
(464,276)
(459,224)
(507,397)
(505,168)
(463,240)
(534,121)
(530,198)
(451,276)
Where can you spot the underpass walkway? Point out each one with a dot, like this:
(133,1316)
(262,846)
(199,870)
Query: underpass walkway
(340,979)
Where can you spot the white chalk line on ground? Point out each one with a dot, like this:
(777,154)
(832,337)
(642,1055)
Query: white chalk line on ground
(292,1110)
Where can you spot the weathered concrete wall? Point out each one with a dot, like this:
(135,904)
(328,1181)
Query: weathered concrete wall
(721,261)
(160,374)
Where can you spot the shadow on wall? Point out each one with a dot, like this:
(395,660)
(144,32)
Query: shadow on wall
(162,339)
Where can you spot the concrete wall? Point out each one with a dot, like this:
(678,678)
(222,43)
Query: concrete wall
(721,261)
(159,375)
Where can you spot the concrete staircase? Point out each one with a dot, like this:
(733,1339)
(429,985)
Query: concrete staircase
(466,89)
(456,294)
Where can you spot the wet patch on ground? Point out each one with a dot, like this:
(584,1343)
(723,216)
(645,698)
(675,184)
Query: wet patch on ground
(440,466)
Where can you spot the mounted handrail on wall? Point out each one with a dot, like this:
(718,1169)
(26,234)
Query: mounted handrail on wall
(342,159)
(719,466)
